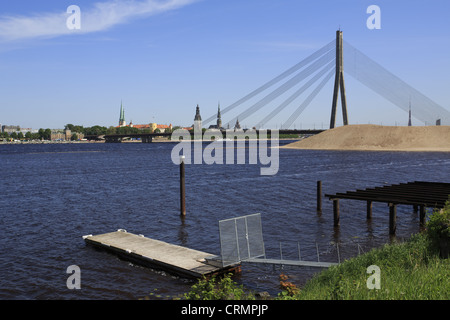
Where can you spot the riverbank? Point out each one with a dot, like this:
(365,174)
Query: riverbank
(412,270)
(418,269)
(379,138)
(162,140)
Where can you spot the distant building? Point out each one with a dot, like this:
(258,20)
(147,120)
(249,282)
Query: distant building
(197,120)
(64,135)
(237,126)
(218,124)
(164,127)
(152,127)
(122,122)
(25,130)
(409,121)
(10,129)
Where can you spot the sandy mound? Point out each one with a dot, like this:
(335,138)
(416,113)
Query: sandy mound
(379,138)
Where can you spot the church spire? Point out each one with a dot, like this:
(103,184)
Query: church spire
(197,114)
(122,122)
(409,121)
(197,120)
(237,126)
(219,118)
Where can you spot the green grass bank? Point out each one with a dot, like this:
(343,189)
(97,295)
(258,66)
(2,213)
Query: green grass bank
(412,270)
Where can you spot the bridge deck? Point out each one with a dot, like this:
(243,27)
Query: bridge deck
(158,254)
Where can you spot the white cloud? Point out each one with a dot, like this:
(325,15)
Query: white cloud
(101,16)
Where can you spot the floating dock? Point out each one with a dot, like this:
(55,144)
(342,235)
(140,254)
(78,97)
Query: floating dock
(160,255)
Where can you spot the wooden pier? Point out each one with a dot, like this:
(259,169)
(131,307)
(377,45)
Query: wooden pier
(419,194)
(160,255)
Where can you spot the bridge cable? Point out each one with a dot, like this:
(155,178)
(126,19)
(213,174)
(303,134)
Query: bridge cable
(286,86)
(325,49)
(330,66)
(308,100)
(392,88)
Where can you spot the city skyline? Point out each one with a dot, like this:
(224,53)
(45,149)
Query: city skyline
(162,58)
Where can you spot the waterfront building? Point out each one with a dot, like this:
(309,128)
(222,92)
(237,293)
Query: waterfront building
(164,127)
(152,127)
(10,129)
(25,130)
(64,135)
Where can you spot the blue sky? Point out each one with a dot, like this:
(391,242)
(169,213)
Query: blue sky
(162,58)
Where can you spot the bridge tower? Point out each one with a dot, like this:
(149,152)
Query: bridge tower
(339,82)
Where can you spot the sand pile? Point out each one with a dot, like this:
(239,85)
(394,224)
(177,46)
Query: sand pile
(379,138)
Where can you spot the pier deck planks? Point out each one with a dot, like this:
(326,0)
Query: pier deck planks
(169,257)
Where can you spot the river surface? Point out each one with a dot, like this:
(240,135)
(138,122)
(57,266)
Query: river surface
(53,194)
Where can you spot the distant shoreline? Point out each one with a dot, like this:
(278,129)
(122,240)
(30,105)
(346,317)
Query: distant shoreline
(127,141)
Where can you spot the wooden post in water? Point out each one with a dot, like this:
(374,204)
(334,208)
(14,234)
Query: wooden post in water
(336,212)
(319,196)
(392,218)
(182,188)
(422,216)
(369,210)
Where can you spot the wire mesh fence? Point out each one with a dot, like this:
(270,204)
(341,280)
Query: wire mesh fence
(240,239)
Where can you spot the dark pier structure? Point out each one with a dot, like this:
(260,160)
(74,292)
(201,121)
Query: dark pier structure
(418,194)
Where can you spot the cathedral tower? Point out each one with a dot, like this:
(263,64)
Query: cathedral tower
(198,120)
(219,119)
(122,122)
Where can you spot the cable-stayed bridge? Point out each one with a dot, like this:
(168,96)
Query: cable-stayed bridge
(303,81)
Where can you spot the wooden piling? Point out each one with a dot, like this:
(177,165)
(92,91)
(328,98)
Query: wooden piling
(319,196)
(336,212)
(369,210)
(182,188)
(392,218)
(422,216)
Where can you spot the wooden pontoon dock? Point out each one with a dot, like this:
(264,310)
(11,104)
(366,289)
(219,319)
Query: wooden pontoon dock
(160,255)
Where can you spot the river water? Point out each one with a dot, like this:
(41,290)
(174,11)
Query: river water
(53,194)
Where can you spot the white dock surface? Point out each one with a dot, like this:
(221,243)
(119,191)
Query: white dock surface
(169,257)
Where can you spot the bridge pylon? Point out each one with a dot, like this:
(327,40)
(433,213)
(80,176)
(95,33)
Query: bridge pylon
(339,82)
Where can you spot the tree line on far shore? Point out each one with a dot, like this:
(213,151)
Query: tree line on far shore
(45,134)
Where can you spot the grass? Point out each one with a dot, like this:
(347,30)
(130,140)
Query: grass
(412,270)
